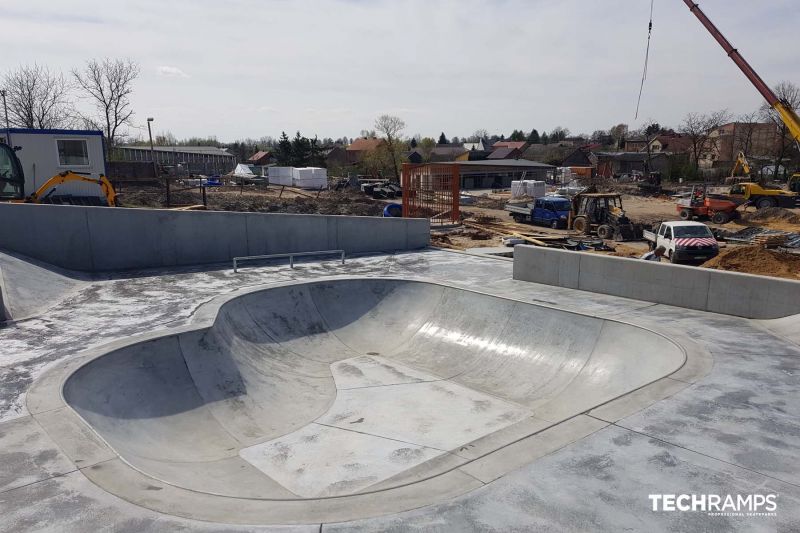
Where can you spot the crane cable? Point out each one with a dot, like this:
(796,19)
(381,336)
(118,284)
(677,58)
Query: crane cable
(646,59)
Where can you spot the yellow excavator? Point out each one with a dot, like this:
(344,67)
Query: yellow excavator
(744,164)
(12,182)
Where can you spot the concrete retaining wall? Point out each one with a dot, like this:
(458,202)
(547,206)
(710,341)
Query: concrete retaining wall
(5,312)
(96,239)
(716,291)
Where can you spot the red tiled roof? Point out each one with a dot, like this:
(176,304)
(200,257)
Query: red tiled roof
(258,155)
(514,145)
(364,145)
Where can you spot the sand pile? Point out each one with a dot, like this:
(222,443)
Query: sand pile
(757,260)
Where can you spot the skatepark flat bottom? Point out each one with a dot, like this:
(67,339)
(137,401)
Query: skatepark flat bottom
(310,397)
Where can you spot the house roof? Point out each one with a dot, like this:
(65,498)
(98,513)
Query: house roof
(258,155)
(629,156)
(449,150)
(503,153)
(524,163)
(519,145)
(673,143)
(207,150)
(364,145)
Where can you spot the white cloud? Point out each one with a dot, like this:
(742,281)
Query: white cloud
(172,72)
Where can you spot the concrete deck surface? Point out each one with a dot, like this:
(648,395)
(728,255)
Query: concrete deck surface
(733,430)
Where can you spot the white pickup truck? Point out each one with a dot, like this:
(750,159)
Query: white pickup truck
(686,242)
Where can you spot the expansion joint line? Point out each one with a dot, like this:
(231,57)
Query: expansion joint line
(643,434)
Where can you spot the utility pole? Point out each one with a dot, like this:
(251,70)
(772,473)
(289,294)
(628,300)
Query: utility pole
(8,127)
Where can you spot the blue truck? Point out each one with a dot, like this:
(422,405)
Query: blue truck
(552,211)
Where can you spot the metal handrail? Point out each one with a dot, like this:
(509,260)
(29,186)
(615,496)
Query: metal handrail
(291,257)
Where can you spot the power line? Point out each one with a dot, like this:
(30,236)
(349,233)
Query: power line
(646,59)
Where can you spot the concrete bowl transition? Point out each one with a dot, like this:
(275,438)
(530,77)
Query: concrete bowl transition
(329,392)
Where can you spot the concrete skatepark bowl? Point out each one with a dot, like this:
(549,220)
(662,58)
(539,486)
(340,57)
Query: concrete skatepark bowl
(301,400)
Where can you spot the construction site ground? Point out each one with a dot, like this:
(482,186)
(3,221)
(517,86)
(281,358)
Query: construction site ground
(256,198)
(486,224)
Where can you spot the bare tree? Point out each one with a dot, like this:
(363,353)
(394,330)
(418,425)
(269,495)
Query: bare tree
(788,93)
(479,135)
(426,146)
(697,127)
(747,124)
(37,98)
(392,128)
(109,85)
(650,131)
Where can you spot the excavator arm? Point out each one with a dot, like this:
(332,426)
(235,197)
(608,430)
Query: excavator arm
(741,161)
(787,114)
(50,185)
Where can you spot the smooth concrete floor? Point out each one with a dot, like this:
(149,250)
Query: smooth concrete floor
(735,430)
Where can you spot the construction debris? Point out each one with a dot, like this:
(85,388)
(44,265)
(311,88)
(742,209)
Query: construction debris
(773,214)
(764,237)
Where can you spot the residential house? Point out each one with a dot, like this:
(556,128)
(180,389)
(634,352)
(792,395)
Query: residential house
(514,145)
(617,164)
(572,141)
(482,145)
(260,158)
(449,153)
(359,147)
(676,144)
(755,139)
(335,156)
(415,157)
(582,161)
(635,144)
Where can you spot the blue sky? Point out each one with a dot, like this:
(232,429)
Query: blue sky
(328,67)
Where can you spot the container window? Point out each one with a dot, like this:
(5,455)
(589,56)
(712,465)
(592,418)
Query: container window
(73,152)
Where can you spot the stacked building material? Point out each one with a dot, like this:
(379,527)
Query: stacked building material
(310,178)
(280,176)
(770,240)
(765,237)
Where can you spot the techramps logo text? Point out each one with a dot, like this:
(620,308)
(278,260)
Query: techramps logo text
(716,504)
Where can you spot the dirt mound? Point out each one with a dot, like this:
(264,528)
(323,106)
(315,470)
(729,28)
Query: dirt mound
(757,260)
(328,203)
(773,214)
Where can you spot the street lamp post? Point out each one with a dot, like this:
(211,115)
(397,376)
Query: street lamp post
(153,158)
(5,107)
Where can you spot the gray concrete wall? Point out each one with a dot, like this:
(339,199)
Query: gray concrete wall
(96,239)
(5,312)
(716,291)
